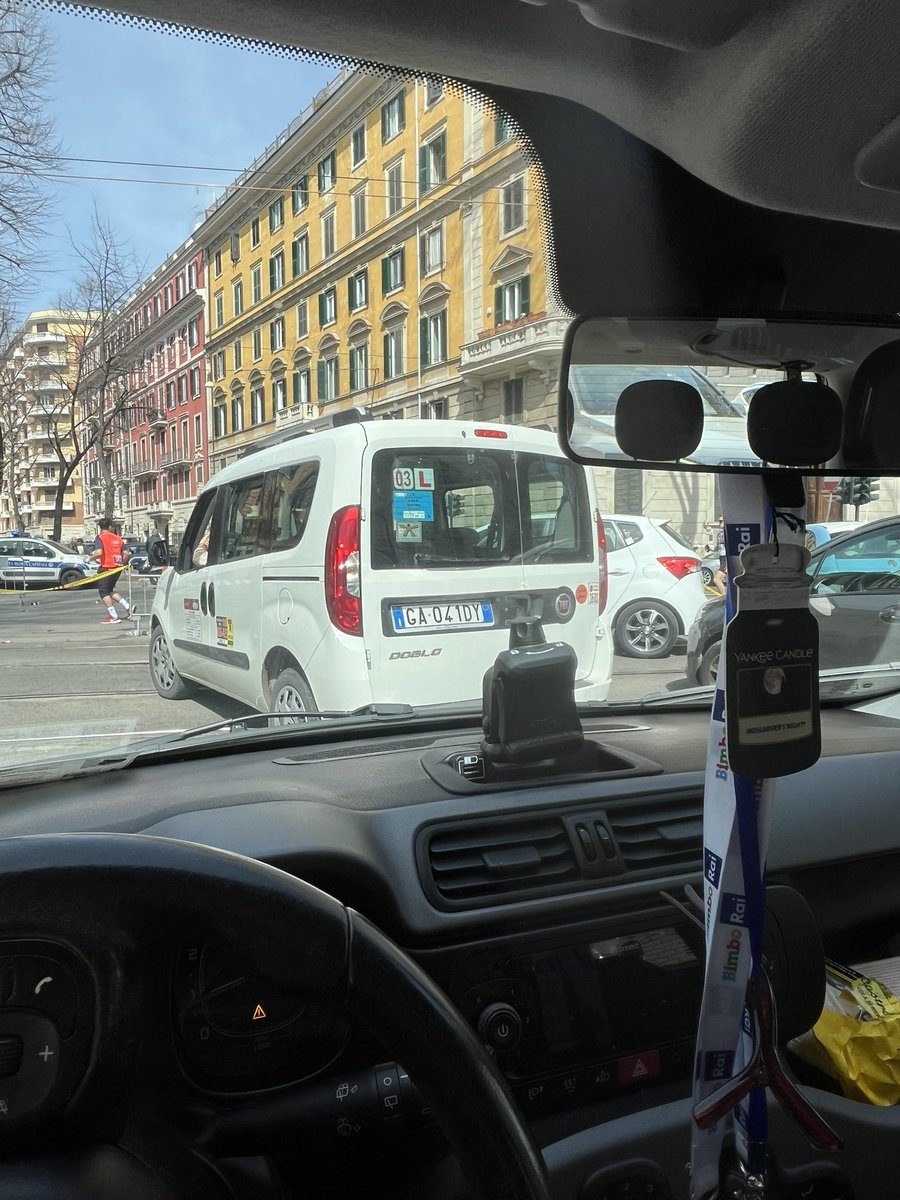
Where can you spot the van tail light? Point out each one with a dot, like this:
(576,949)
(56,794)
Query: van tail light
(680,567)
(343,593)
(604,566)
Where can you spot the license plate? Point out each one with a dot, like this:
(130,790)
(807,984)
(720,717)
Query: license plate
(461,614)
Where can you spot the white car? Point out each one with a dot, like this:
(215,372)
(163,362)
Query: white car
(40,562)
(655,585)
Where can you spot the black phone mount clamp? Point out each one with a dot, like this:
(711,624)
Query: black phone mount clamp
(529,712)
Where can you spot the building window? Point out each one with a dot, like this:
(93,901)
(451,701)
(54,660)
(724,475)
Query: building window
(393,272)
(237,297)
(218,365)
(327,378)
(192,279)
(434,90)
(256,283)
(276,271)
(394,179)
(328,239)
(300,195)
(300,254)
(257,405)
(199,473)
(512,300)
(170,388)
(182,389)
(359,367)
(327,172)
(235,247)
(435,410)
(257,345)
(194,331)
(393,353)
(276,214)
(433,339)
(238,354)
(512,207)
(279,395)
(195,382)
(431,250)
(168,296)
(358,146)
(219,420)
(254,233)
(220,309)
(276,334)
(237,414)
(393,117)
(502,129)
(198,432)
(302,319)
(300,386)
(433,163)
(358,207)
(328,307)
(358,290)
(513,399)
(217,264)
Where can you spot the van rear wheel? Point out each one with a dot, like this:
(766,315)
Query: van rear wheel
(292,694)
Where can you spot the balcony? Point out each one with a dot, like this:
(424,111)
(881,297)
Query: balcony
(536,342)
(143,466)
(175,458)
(160,508)
(297,414)
(156,420)
(48,360)
(48,410)
(44,339)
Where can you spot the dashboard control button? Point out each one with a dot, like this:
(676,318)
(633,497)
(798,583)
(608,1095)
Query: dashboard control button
(10,1054)
(587,842)
(24,1091)
(638,1067)
(47,986)
(500,1026)
(387,1081)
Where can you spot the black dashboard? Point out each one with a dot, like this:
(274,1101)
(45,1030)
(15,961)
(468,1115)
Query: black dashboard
(542,907)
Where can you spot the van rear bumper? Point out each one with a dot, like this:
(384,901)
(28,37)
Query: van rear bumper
(596,683)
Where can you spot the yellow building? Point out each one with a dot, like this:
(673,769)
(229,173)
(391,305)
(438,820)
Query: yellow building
(35,415)
(385,252)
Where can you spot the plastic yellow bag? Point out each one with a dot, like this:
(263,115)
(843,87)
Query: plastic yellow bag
(856,1040)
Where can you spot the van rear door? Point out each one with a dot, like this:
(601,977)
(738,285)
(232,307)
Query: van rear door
(461,536)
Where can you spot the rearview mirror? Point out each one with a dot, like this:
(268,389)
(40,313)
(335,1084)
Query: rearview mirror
(732,395)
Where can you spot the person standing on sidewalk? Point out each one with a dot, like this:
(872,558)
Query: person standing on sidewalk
(110,553)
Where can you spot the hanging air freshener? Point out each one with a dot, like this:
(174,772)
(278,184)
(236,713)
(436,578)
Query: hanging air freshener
(771,657)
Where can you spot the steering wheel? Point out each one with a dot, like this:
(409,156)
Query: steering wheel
(110,897)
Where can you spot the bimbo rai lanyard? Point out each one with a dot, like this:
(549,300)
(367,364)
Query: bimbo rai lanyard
(737,816)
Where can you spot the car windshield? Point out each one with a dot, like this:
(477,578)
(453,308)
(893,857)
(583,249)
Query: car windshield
(297,359)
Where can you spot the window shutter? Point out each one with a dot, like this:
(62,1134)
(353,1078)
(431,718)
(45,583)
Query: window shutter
(384,123)
(387,355)
(442,327)
(295,257)
(351,293)
(402,106)
(320,174)
(423,253)
(385,277)
(442,158)
(403,267)
(337,376)
(526,295)
(423,342)
(295,388)
(271,274)
(498,306)
(320,380)
(423,169)
(321,308)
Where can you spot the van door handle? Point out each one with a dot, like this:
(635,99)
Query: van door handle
(203,597)
(892,613)
(212,599)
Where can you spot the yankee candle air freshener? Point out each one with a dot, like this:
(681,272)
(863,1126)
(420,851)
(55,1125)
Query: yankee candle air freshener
(771,660)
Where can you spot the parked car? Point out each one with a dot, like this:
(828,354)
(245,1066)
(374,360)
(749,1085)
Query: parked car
(820,532)
(39,562)
(655,585)
(854,594)
(286,597)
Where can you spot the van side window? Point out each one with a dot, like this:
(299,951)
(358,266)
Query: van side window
(292,495)
(241,534)
(194,551)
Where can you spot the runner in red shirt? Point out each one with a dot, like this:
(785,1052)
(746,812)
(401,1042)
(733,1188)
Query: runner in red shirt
(110,552)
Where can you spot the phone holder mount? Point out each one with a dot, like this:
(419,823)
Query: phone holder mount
(529,714)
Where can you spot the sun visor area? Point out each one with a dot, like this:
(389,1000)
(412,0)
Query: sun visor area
(872,419)
(795,423)
(681,26)
(660,420)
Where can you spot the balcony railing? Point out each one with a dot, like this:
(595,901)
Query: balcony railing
(156,420)
(175,458)
(528,338)
(296,414)
(47,360)
(44,339)
(143,466)
(48,385)
(160,508)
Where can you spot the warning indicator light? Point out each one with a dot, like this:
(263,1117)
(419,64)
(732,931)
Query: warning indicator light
(259,1013)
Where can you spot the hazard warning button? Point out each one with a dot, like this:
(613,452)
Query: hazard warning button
(638,1067)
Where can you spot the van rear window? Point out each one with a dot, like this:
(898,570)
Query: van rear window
(477,507)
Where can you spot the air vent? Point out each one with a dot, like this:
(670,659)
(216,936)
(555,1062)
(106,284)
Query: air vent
(491,861)
(660,835)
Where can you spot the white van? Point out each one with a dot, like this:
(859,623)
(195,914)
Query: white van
(382,562)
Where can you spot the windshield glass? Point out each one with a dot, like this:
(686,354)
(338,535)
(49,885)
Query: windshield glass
(298,353)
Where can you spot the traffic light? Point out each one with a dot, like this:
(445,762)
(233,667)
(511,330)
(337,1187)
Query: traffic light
(867,489)
(844,492)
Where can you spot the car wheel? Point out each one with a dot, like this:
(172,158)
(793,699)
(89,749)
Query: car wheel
(165,677)
(70,576)
(708,668)
(646,630)
(707,576)
(290,693)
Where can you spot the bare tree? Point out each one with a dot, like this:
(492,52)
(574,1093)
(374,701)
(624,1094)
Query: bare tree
(91,396)
(28,146)
(14,453)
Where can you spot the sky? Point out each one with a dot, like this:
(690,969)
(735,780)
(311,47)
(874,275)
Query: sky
(129,94)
